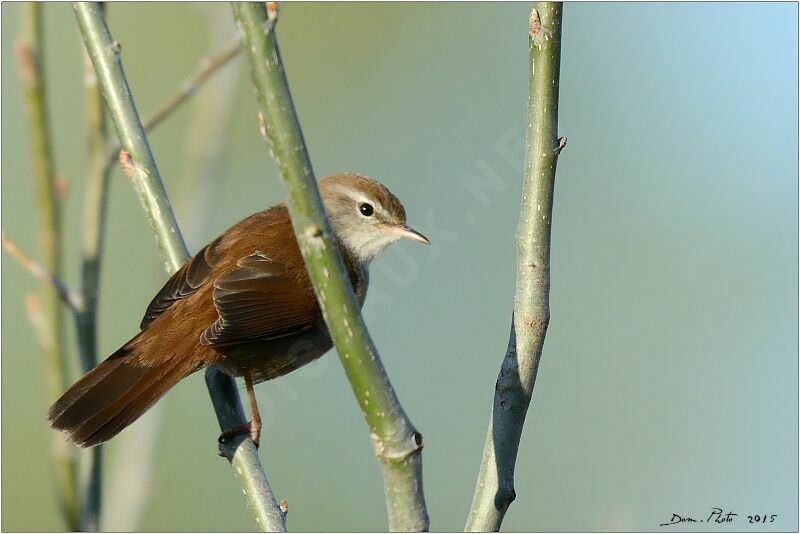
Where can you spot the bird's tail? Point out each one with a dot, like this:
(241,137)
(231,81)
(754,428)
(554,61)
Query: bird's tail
(113,395)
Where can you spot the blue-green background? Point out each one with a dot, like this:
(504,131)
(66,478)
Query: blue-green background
(669,377)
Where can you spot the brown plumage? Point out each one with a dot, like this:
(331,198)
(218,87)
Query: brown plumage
(243,302)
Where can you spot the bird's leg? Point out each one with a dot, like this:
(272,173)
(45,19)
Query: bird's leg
(255,415)
(253,427)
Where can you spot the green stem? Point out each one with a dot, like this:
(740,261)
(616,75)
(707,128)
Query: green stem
(94,226)
(31,55)
(495,488)
(208,67)
(210,117)
(397,443)
(94,221)
(105,55)
(255,485)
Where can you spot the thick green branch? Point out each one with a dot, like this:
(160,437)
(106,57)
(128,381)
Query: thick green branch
(30,52)
(495,488)
(105,55)
(397,443)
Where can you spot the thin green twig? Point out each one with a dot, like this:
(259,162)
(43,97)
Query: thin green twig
(209,66)
(30,53)
(94,229)
(140,165)
(67,296)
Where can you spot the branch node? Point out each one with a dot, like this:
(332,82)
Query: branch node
(27,65)
(126,163)
(535,23)
(396,450)
(315,231)
(262,125)
(537,30)
(272,15)
(506,494)
(61,186)
(378,445)
(33,305)
(37,318)
(71,299)
(562,142)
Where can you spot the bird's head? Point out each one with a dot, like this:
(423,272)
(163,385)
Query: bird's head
(366,216)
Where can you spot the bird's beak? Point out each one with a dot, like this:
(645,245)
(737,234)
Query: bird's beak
(409,233)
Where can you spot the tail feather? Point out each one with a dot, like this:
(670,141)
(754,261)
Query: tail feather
(135,407)
(131,383)
(104,380)
(113,395)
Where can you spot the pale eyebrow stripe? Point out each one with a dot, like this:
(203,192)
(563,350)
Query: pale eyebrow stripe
(357,197)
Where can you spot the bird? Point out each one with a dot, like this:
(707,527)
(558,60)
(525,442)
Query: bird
(244,303)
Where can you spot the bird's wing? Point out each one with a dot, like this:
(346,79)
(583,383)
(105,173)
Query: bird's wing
(184,282)
(259,300)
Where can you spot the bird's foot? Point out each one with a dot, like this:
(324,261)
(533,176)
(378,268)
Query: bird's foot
(251,427)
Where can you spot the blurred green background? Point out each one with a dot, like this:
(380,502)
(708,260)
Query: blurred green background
(669,378)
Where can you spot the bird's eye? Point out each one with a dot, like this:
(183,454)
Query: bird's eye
(366,209)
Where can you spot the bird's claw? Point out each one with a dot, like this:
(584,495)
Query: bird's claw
(247,428)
